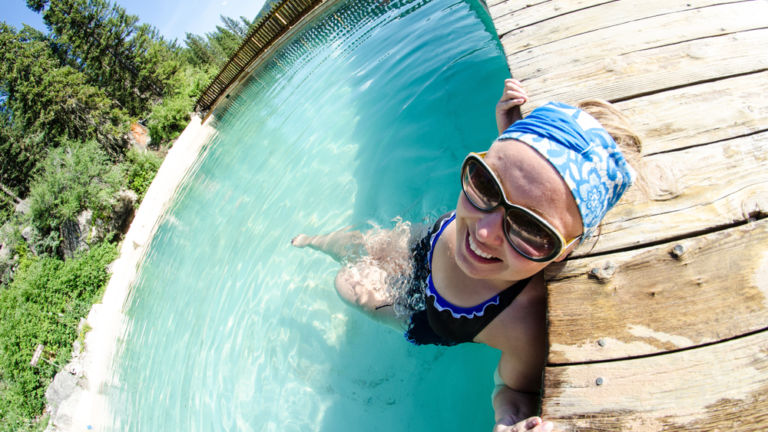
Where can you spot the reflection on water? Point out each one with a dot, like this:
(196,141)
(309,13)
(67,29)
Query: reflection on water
(363,116)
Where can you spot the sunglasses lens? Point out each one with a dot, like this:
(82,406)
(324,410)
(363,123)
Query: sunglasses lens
(529,236)
(480,188)
(526,233)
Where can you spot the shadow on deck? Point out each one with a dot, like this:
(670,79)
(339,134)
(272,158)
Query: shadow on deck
(663,325)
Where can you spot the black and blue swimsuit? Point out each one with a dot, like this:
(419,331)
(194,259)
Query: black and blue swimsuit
(441,322)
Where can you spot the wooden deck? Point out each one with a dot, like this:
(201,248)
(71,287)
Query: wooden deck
(663,324)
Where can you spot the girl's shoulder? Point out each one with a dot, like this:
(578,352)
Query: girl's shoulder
(523,323)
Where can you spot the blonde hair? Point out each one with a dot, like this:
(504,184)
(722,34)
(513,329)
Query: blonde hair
(620,129)
(628,141)
(617,124)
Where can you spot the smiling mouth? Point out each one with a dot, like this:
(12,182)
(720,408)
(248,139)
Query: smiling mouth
(472,247)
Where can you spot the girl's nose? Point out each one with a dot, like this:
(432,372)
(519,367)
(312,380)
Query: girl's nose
(489,228)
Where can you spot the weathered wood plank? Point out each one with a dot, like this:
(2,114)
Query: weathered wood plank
(532,12)
(706,144)
(654,31)
(586,26)
(643,72)
(689,191)
(694,190)
(700,114)
(491,3)
(718,387)
(666,297)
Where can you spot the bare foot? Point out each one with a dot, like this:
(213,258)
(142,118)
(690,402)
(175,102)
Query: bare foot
(300,241)
(341,245)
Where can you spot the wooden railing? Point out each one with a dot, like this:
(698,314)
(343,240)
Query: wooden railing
(263,34)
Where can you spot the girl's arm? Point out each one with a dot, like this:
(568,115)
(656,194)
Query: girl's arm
(519,373)
(513,409)
(508,107)
(512,406)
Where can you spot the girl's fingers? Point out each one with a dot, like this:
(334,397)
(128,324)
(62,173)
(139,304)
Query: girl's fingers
(532,422)
(513,85)
(514,96)
(546,427)
(520,92)
(503,105)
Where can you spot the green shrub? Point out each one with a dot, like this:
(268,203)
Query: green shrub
(43,305)
(73,178)
(169,118)
(140,170)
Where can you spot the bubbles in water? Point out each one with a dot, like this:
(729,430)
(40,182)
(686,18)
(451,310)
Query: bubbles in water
(392,254)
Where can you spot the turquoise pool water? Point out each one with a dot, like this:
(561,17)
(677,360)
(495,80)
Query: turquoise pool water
(363,116)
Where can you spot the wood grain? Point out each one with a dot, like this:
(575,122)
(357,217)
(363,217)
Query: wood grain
(718,387)
(605,22)
(666,297)
(687,192)
(534,12)
(570,79)
(678,281)
(700,114)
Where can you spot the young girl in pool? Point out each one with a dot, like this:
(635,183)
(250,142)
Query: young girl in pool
(540,190)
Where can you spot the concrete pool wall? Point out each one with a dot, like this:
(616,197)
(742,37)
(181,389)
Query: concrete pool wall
(85,407)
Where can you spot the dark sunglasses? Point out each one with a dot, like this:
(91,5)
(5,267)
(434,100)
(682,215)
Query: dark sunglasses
(528,233)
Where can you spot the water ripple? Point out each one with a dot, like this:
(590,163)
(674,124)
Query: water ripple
(361,117)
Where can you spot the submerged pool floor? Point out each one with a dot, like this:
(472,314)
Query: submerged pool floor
(363,116)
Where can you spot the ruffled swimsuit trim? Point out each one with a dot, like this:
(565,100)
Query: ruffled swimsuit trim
(439,301)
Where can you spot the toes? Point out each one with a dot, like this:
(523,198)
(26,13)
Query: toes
(300,240)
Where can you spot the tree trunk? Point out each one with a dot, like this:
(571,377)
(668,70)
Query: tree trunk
(10,193)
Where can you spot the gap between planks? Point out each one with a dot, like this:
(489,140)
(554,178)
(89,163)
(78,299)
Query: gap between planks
(723,386)
(662,298)
(690,186)
(620,77)
(606,18)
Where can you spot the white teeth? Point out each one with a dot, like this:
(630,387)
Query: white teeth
(477,250)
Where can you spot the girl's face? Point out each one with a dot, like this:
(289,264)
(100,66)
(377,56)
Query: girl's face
(528,180)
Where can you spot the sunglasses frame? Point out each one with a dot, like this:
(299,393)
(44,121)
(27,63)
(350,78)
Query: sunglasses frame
(504,202)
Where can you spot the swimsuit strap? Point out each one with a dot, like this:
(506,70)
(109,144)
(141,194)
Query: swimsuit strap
(503,298)
(441,322)
(444,221)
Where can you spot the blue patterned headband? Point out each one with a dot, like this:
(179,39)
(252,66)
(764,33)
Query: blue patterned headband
(583,153)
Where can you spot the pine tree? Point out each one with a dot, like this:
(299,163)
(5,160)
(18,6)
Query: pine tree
(199,51)
(238,27)
(19,153)
(45,103)
(217,46)
(131,62)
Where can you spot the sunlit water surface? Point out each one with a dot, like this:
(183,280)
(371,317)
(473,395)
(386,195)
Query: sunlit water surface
(363,116)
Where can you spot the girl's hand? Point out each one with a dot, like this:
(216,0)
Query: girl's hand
(532,424)
(508,107)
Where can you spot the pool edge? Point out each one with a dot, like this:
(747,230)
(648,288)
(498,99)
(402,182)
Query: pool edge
(87,407)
